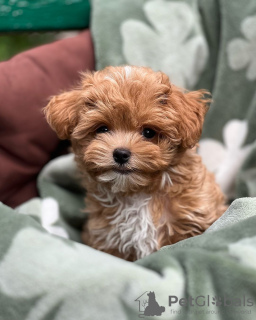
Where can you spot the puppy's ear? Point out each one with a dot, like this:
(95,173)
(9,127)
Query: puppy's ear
(62,112)
(192,109)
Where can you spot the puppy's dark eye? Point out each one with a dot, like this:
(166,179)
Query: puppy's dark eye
(102,129)
(148,133)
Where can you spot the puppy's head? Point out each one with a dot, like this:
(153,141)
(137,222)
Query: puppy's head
(128,125)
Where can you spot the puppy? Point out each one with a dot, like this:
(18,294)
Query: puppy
(134,136)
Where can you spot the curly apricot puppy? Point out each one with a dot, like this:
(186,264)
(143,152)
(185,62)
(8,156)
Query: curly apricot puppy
(134,136)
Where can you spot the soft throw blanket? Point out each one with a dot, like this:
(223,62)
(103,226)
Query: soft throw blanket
(47,277)
(199,44)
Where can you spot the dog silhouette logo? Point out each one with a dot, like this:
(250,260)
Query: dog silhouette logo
(148,306)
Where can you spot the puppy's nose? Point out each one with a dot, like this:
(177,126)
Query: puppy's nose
(121,156)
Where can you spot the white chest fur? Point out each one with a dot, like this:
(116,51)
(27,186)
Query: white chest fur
(132,225)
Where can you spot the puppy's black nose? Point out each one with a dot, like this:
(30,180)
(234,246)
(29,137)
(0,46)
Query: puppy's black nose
(121,156)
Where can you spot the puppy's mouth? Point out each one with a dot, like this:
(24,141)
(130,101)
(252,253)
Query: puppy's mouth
(122,170)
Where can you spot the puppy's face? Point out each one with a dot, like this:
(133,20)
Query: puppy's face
(128,125)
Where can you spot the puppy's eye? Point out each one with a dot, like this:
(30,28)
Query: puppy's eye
(148,133)
(102,129)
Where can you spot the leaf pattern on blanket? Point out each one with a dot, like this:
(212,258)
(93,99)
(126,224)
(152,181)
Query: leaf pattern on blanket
(174,44)
(226,159)
(242,52)
(50,216)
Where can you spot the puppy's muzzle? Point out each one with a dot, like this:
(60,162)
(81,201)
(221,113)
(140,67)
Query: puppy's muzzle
(121,156)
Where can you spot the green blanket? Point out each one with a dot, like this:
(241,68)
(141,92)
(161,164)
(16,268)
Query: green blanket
(200,44)
(46,273)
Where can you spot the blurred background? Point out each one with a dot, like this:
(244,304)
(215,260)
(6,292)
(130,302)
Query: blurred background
(27,24)
(14,43)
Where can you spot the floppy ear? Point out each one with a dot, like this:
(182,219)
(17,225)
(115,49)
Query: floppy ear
(62,112)
(192,109)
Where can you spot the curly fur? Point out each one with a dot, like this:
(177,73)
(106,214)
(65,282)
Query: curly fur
(167,195)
